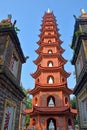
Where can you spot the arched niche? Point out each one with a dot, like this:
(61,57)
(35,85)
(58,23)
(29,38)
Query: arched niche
(49,41)
(70,124)
(51,124)
(51,101)
(36,101)
(50,51)
(33,122)
(50,64)
(50,80)
(66,101)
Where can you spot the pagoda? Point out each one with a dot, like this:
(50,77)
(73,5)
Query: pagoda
(51,108)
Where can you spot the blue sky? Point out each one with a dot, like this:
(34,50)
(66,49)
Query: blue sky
(28,14)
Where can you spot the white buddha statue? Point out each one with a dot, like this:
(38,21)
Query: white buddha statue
(51,102)
(51,125)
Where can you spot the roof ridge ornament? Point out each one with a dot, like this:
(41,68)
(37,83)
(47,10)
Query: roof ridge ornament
(48,11)
(9,16)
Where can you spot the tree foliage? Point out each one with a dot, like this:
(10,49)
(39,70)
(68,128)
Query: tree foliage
(28,105)
(74,106)
(73,102)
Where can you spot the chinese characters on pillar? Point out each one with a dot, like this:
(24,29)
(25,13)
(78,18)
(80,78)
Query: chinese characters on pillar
(9,117)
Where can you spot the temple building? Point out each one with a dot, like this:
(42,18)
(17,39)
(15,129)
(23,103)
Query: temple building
(51,109)
(79,45)
(11,60)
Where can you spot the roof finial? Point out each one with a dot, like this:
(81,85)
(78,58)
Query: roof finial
(48,10)
(83,11)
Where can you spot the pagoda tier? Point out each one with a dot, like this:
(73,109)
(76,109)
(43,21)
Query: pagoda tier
(45,30)
(50,70)
(49,29)
(45,110)
(42,41)
(50,25)
(51,101)
(59,48)
(45,88)
(55,55)
(52,36)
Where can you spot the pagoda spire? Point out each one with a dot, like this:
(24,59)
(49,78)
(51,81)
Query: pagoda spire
(83,11)
(48,11)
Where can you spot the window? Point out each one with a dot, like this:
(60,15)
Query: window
(50,80)
(14,65)
(62,79)
(51,101)
(38,80)
(50,51)
(36,100)
(33,122)
(49,41)
(66,101)
(50,64)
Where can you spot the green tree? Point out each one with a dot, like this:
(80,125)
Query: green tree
(73,102)
(28,105)
(74,106)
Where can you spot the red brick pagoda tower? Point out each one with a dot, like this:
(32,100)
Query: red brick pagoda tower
(51,102)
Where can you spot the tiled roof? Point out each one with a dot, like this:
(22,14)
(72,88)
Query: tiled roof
(51,110)
(47,109)
(73,110)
